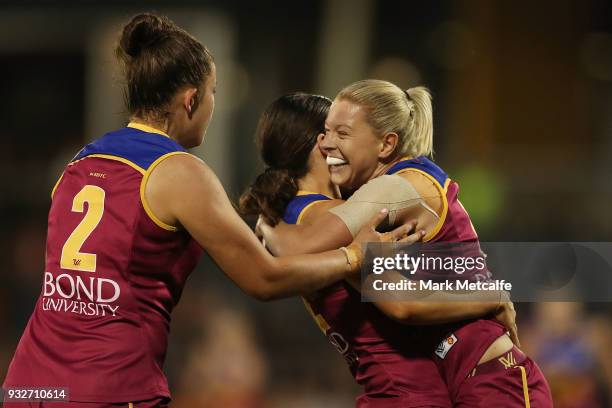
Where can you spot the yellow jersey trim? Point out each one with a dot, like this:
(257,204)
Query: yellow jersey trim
(305,209)
(146,128)
(56,185)
(442,191)
(525,387)
(143,199)
(306,192)
(101,156)
(119,159)
(76,161)
(319,320)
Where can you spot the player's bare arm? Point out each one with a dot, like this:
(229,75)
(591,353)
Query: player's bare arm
(184,191)
(286,239)
(327,230)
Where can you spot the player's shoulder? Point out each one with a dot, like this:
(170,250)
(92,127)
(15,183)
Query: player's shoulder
(138,145)
(318,208)
(182,173)
(419,168)
(179,163)
(413,176)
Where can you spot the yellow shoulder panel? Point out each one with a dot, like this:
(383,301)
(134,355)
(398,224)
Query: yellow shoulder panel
(442,191)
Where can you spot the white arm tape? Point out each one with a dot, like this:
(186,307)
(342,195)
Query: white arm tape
(389,191)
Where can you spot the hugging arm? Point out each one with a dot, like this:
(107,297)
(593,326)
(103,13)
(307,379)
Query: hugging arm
(426,307)
(326,231)
(336,227)
(183,191)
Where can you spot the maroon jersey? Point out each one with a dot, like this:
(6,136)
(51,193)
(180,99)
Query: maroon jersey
(464,343)
(390,361)
(113,274)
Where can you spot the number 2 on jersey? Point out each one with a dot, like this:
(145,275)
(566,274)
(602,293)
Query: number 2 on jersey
(71,257)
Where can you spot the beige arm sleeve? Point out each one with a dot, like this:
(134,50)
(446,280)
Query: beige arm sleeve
(389,191)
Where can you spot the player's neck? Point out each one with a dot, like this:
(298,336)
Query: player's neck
(320,185)
(160,126)
(382,168)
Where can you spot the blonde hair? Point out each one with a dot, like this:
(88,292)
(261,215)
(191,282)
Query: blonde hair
(390,109)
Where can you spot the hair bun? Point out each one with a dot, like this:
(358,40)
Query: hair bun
(142,32)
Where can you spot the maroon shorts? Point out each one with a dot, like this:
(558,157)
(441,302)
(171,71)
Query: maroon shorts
(510,381)
(154,403)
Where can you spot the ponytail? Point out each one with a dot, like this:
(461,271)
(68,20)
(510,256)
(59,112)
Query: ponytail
(419,130)
(286,135)
(269,195)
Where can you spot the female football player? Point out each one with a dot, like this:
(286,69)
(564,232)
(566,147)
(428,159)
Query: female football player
(296,188)
(376,142)
(128,221)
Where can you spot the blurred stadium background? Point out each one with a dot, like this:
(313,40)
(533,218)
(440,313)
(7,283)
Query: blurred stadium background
(523,120)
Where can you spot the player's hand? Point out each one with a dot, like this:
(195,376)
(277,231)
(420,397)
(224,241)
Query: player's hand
(271,236)
(403,234)
(506,315)
(261,223)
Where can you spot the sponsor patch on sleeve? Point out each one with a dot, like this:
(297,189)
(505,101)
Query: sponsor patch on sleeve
(445,345)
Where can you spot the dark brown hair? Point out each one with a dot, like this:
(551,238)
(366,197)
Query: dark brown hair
(159,58)
(286,134)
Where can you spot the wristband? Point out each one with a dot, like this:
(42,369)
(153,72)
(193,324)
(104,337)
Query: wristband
(353,256)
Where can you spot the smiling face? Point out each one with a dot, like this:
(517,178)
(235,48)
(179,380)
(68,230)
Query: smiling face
(351,145)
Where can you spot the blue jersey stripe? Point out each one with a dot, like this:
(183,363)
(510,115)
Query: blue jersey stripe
(139,147)
(298,204)
(421,163)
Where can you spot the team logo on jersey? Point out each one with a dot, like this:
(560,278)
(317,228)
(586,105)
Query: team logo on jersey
(445,345)
(508,360)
